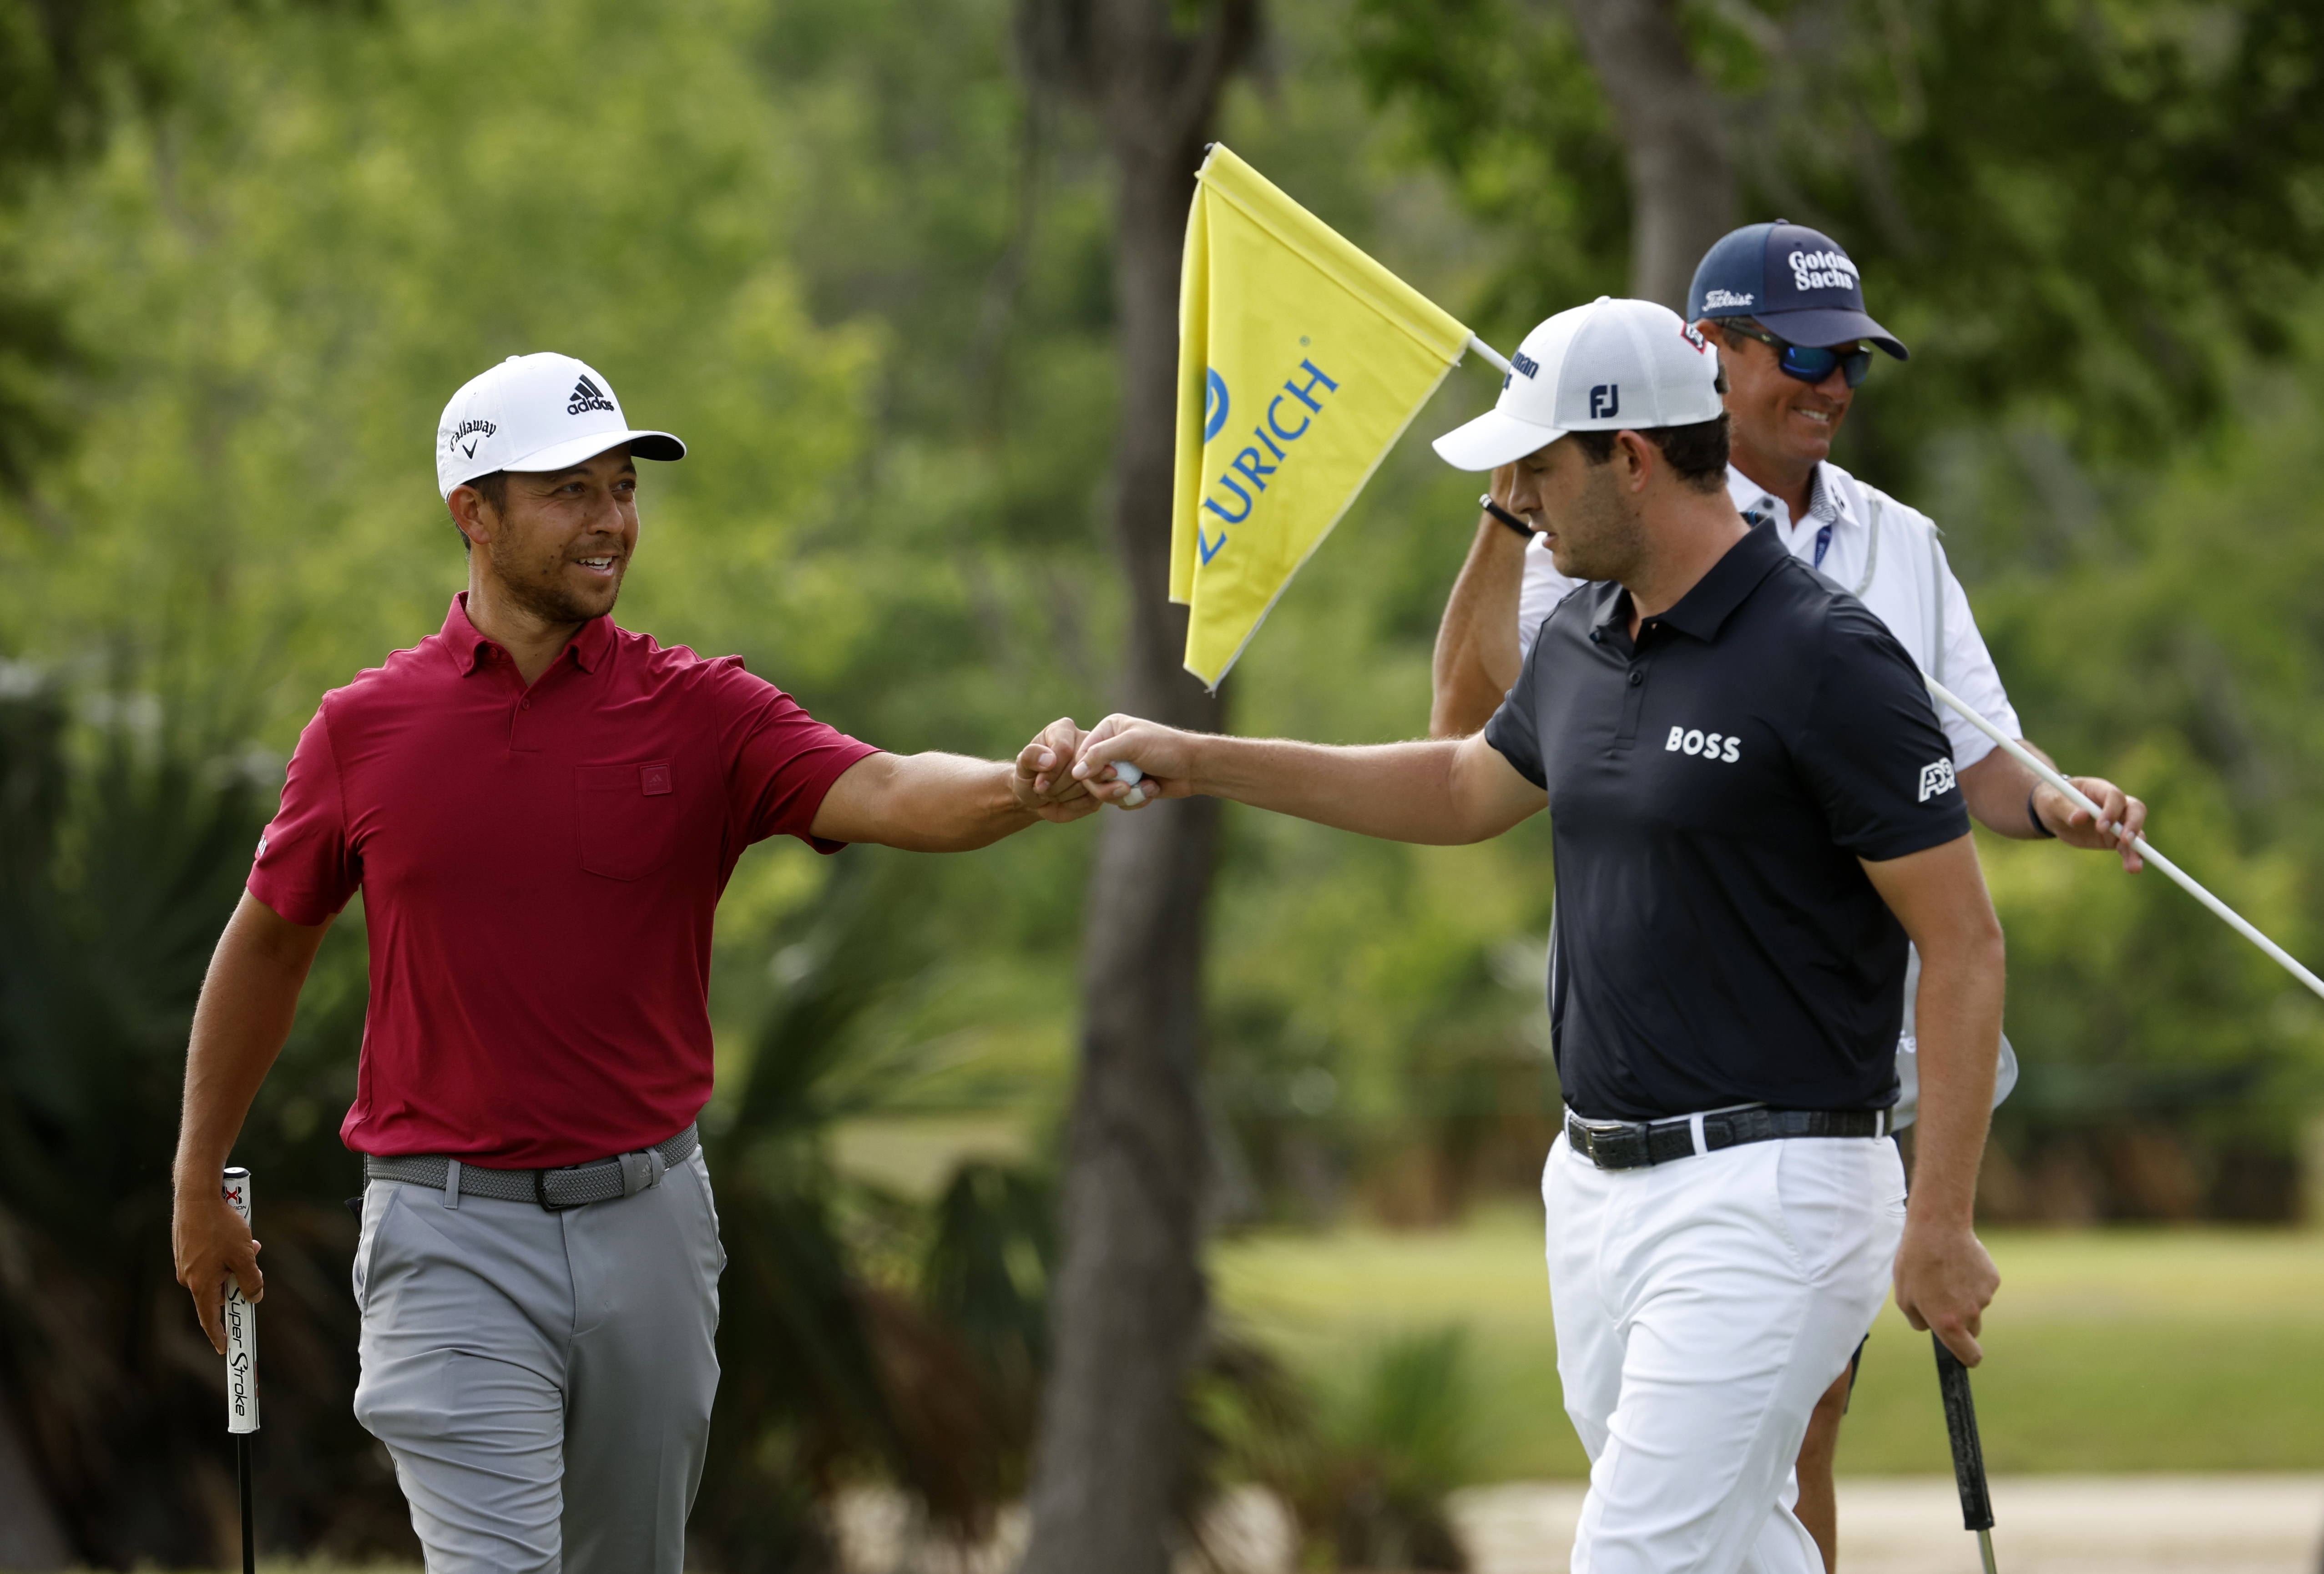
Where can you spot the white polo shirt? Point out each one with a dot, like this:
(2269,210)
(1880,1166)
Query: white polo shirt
(1888,555)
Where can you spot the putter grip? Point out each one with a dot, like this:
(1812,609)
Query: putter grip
(241,1325)
(1961,1426)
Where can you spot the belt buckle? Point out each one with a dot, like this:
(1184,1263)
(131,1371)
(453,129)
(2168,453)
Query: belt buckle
(540,1189)
(1615,1145)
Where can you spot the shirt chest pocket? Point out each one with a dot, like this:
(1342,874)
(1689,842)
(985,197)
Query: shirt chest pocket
(628,820)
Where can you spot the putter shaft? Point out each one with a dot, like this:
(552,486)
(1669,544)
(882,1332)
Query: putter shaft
(242,1476)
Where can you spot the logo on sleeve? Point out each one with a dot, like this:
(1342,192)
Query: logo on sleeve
(1936,779)
(1726,749)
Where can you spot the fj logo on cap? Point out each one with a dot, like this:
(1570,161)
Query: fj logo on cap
(1936,779)
(1605,401)
(587,395)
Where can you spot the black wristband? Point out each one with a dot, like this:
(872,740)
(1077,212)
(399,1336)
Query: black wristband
(2041,831)
(1507,517)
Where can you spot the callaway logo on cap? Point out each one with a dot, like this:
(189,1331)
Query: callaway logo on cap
(1794,281)
(535,412)
(1603,367)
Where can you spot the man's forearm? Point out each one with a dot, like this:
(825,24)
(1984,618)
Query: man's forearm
(1957,1024)
(1399,792)
(1476,659)
(1996,790)
(951,803)
(248,1000)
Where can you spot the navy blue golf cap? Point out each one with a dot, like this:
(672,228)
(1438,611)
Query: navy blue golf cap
(1794,280)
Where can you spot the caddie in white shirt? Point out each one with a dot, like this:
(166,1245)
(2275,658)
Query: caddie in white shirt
(1784,304)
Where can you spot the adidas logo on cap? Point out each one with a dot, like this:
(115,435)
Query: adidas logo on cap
(587,395)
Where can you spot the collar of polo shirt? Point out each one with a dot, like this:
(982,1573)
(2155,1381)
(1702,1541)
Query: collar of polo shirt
(1827,500)
(587,649)
(1703,610)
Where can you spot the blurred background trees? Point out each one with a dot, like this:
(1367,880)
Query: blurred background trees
(873,277)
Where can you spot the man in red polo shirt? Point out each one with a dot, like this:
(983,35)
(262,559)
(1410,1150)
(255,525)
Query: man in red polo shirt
(541,809)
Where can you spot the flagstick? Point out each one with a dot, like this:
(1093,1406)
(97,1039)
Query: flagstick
(1487,353)
(2186,882)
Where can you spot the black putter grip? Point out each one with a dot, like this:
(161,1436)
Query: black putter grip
(1961,1426)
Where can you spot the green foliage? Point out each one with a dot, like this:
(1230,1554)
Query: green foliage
(2081,211)
(822,1372)
(122,860)
(2167,642)
(987,1276)
(1365,1467)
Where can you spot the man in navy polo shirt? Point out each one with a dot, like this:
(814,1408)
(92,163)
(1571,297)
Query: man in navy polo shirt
(1754,809)
(1786,306)
(541,809)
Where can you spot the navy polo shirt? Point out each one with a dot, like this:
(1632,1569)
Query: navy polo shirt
(1711,788)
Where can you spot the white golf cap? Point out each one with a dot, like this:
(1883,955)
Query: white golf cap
(1607,366)
(535,412)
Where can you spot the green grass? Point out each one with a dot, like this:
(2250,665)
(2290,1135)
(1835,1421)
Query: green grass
(2147,1349)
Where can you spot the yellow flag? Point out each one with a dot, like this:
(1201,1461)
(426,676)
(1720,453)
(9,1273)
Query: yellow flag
(1300,362)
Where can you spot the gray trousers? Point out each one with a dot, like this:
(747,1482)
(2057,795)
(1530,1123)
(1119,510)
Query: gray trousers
(542,1380)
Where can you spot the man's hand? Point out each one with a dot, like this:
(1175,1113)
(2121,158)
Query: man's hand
(1043,781)
(1998,787)
(1944,1282)
(1163,754)
(2072,824)
(211,1243)
(1503,487)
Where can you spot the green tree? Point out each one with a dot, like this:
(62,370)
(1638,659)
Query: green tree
(2077,212)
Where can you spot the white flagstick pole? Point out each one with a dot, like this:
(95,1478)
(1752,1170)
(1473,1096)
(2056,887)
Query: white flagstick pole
(2186,882)
(1486,352)
(241,1366)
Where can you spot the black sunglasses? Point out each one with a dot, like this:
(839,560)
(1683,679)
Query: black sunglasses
(1808,362)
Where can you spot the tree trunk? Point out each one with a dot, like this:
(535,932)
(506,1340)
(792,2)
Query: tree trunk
(1675,146)
(1127,1305)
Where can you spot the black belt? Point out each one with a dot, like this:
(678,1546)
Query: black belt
(573,1186)
(1633,1145)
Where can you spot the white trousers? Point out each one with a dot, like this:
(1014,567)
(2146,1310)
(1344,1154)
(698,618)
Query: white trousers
(1702,1307)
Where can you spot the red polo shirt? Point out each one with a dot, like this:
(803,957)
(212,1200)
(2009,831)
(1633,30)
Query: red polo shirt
(540,868)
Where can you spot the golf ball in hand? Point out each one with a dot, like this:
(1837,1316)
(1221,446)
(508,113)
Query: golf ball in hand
(1125,771)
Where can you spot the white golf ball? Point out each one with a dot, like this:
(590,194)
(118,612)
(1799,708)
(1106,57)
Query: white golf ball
(1125,771)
